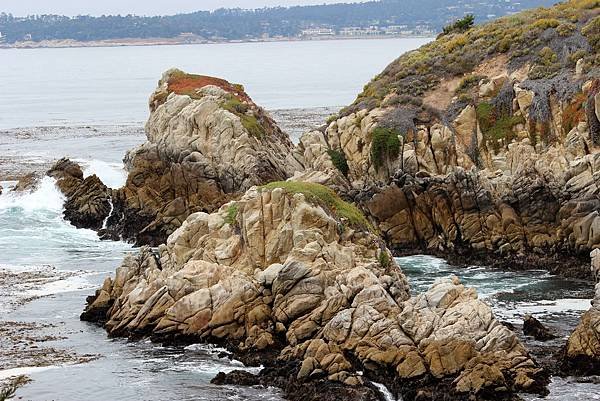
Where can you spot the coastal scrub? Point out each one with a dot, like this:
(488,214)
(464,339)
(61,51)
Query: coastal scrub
(326,198)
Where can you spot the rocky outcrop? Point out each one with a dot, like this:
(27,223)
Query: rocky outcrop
(28,182)
(293,273)
(88,200)
(207,144)
(479,143)
(477,184)
(582,352)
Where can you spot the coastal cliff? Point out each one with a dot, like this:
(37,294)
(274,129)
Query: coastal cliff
(484,142)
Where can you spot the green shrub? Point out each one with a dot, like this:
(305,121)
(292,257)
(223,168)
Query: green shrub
(234,105)
(566,29)
(547,56)
(496,127)
(461,25)
(468,83)
(385,145)
(545,23)
(326,198)
(338,158)
(384,259)
(592,32)
(252,125)
(232,212)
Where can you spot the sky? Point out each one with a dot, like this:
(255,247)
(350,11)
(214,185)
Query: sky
(140,7)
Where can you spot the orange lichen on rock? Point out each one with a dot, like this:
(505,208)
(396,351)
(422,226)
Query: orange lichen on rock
(188,84)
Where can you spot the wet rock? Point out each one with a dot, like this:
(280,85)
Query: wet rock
(28,182)
(532,327)
(88,201)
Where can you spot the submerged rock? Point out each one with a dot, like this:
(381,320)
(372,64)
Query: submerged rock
(534,328)
(295,275)
(28,182)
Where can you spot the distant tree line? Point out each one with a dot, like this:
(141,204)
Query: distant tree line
(239,24)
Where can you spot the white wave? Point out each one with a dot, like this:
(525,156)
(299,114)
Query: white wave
(111,174)
(45,197)
(112,209)
(387,395)
(539,309)
(60,286)
(6,373)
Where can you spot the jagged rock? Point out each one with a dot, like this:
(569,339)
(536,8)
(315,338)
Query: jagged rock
(534,328)
(451,191)
(88,201)
(582,352)
(208,142)
(290,267)
(28,182)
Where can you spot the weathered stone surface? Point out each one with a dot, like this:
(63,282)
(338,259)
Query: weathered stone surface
(277,270)
(207,144)
(453,190)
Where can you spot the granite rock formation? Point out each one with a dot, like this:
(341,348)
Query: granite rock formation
(292,268)
(208,142)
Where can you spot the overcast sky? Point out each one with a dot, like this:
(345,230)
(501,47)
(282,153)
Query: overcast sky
(140,7)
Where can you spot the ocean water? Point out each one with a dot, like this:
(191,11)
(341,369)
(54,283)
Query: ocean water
(94,86)
(89,104)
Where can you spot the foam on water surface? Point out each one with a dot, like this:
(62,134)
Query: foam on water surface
(111,174)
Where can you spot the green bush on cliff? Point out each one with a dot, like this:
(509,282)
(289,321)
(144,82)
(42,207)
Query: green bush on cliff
(496,127)
(234,105)
(326,198)
(461,25)
(385,146)
(232,212)
(249,120)
(252,125)
(338,158)
(384,259)
(468,83)
(592,32)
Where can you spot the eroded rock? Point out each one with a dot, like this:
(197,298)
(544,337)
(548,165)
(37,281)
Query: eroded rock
(281,269)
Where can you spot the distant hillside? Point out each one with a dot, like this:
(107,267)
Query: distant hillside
(386,17)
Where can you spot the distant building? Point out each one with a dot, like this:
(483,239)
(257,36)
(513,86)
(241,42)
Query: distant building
(189,37)
(356,31)
(317,32)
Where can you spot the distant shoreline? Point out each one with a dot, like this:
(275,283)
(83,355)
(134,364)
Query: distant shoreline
(127,42)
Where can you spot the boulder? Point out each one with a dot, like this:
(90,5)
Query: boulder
(88,201)
(534,328)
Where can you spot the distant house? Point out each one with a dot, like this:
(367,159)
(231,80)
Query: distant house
(317,32)
(357,31)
